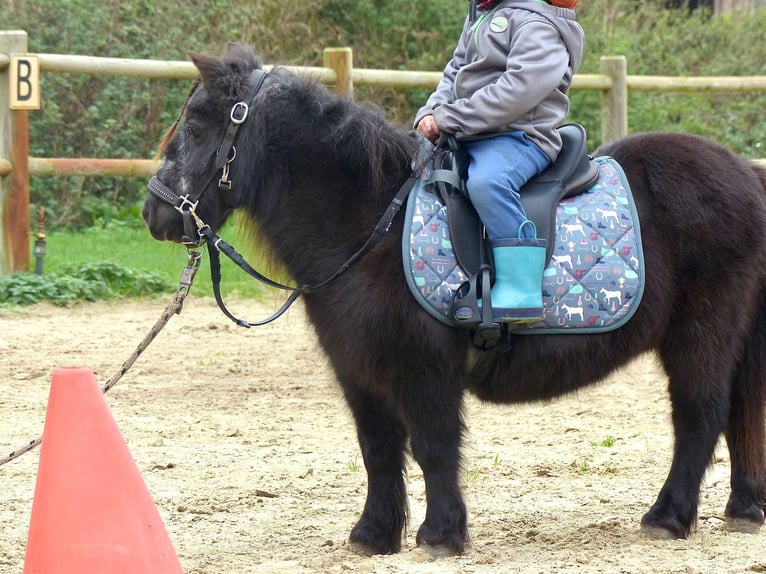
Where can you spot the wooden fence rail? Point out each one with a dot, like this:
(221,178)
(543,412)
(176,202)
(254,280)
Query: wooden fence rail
(15,166)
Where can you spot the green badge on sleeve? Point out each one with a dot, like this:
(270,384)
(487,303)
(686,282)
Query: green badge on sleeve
(499,24)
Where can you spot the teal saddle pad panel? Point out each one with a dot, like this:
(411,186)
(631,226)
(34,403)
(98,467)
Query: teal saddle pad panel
(593,281)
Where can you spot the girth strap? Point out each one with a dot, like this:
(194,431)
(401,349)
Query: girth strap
(449,176)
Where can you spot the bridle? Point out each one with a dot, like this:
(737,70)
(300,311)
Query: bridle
(225,154)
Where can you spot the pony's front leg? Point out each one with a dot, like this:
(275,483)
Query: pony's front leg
(435,438)
(382,438)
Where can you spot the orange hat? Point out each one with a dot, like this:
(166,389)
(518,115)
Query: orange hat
(564,3)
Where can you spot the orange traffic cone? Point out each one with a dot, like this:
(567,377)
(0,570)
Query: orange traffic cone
(92,512)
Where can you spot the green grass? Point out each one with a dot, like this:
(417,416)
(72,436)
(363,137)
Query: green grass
(608,442)
(353,465)
(134,248)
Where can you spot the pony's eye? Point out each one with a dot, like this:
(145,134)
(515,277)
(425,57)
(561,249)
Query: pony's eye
(193,131)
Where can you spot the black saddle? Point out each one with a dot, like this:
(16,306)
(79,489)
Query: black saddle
(573,172)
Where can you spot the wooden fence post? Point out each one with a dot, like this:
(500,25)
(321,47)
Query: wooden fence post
(342,61)
(14,187)
(614,101)
(721,6)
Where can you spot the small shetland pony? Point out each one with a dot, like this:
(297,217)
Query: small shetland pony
(314,172)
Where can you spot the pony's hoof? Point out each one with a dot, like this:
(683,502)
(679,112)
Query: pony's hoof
(742,525)
(661,526)
(363,549)
(657,532)
(440,544)
(743,513)
(438,550)
(369,541)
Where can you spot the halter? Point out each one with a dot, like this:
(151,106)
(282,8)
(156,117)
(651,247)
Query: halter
(225,154)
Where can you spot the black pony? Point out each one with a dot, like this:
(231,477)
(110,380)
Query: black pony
(315,172)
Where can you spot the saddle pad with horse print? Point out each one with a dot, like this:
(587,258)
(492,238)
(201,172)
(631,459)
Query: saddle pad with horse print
(592,283)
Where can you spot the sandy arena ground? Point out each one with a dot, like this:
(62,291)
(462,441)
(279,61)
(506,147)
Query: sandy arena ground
(250,454)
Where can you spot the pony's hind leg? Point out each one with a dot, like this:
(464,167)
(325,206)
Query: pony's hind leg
(699,366)
(745,433)
(382,439)
(697,424)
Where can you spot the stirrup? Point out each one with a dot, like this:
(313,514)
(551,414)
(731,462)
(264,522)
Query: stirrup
(467,313)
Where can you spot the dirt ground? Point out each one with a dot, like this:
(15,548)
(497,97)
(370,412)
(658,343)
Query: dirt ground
(250,454)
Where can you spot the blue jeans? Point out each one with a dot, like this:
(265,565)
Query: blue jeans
(499,166)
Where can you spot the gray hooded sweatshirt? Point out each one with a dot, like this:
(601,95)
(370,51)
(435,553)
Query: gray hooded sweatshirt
(510,71)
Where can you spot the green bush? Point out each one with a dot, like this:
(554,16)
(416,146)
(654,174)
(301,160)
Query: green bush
(665,42)
(88,282)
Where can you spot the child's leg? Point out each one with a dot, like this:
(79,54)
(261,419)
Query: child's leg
(498,168)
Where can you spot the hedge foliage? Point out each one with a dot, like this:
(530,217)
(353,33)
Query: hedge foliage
(88,282)
(86,116)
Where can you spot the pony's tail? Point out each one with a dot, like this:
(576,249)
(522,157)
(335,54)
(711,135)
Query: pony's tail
(745,435)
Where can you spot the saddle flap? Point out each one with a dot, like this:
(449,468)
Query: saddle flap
(466,229)
(573,172)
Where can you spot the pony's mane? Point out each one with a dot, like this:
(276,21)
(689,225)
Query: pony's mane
(296,107)
(361,132)
(358,133)
(171,131)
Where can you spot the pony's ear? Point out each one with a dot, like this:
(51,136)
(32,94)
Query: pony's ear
(210,70)
(240,59)
(226,76)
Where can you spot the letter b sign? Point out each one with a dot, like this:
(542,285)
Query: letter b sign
(25,82)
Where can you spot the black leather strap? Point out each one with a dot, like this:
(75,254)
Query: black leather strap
(219,245)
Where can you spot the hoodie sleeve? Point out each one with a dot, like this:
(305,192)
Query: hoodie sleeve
(445,89)
(537,63)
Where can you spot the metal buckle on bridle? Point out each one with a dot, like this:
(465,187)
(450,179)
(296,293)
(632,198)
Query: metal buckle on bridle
(184,202)
(224,183)
(188,210)
(238,113)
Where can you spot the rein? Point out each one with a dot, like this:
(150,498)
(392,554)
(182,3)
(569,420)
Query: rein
(219,245)
(226,153)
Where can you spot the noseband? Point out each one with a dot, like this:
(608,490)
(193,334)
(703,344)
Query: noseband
(225,154)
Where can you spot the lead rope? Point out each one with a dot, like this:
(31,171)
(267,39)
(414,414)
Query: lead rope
(173,308)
